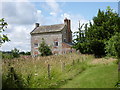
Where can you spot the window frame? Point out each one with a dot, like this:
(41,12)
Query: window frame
(36,45)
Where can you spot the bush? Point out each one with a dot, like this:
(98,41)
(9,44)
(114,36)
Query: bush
(117,48)
(83,48)
(13,80)
(7,56)
(97,47)
(45,49)
(112,46)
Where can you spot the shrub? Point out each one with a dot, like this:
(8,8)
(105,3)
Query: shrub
(97,47)
(45,49)
(13,80)
(112,46)
(83,47)
(7,56)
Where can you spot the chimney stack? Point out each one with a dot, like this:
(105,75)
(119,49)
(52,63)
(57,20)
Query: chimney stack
(36,25)
(67,22)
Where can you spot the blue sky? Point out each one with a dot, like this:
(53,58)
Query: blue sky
(22,16)
(86,9)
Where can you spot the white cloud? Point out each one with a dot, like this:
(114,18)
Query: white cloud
(20,38)
(74,20)
(20,18)
(53,6)
(65,15)
(40,17)
(53,13)
(19,12)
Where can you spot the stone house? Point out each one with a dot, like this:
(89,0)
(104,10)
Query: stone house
(58,37)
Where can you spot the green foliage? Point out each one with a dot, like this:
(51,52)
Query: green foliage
(104,26)
(15,53)
(13,80)
(97,47)
(113,46)
(3,25)
(117,48)
(7,56)
(24,53)
(80,34)
(44,49)
(83,47)
(27,53)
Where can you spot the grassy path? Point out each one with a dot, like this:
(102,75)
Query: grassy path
(103,76)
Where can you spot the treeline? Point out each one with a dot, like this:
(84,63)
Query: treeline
(15,53)
(102,37)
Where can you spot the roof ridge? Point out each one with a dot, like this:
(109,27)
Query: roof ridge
(49,28)
(52,25)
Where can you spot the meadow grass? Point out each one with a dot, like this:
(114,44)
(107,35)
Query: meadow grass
(104,76)
(33,72)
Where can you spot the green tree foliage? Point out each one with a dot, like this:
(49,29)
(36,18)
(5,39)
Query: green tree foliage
(79,34)
(24,53)
(3,37)
(80,41)
(104,26)
(113,46)
(15,53)
(27,53)
(44,49)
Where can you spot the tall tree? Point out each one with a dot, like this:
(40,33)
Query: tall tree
(104,26)
(80,34)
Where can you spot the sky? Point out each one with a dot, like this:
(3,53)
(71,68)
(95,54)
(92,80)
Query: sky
(22,16)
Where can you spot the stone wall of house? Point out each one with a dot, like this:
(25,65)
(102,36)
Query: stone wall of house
(64,34)
(66,48)
(49,38)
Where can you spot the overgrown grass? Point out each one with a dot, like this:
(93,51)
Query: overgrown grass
(33,72)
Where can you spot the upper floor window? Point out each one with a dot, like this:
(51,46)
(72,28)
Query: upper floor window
(56,43)
(64,39)
(35,44)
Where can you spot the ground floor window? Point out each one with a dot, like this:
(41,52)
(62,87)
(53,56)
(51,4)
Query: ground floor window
(56,43)
(35,44)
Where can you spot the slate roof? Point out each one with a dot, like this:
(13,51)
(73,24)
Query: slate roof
(70,43)
(48,28)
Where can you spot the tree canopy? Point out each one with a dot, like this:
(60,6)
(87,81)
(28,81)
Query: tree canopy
(104,26)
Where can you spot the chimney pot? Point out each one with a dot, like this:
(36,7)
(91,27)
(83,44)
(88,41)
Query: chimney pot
(66,21)
(36,24)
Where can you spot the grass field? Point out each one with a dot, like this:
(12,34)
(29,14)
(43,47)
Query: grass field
(95,77)
(61,71)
